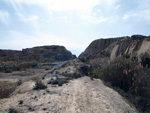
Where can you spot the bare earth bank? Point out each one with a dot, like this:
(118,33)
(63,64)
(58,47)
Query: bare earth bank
(81,95)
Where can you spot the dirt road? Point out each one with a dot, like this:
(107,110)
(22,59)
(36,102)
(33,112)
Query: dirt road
(81,95)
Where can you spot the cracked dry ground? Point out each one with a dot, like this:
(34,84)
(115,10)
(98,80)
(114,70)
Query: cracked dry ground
(81,95)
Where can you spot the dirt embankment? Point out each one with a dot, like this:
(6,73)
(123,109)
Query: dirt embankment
(81,95)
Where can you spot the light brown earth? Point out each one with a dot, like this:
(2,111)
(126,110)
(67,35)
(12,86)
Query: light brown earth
(81,95)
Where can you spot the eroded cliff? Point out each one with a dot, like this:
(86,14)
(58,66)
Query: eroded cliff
(103,51)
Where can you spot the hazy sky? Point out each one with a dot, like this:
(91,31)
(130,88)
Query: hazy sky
(71,23)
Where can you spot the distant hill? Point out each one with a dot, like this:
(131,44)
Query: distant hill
(103,51)
(31,56)
(50,53)
(39,54)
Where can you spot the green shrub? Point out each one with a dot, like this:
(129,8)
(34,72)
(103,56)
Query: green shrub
(39,85)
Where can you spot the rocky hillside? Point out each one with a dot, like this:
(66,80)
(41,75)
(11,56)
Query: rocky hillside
(50,53)
(11,55)
(14,60)
(103,51)
(43,53)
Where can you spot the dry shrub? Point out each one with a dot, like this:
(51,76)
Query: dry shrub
(12,110)
(129,76)
(39,85)
(6,88)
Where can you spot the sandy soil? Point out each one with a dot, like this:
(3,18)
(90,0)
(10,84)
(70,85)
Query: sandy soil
(81,95)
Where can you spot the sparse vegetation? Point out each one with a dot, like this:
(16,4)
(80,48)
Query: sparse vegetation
(62,81)
(44,109)
(12,110)
(30,109)
(16,65)
(21,102)
(19,82)
(53,81)
(145,60)
(131,79)
(39,85)
(59,81)
(6,88)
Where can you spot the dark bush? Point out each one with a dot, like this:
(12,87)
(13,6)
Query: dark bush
(120,73)
(53,82)
(30,109)
(19,82)
(145,61)
(62,81)
(44,109)
(39,85)
(12,110)
(21,102)
(84,70)
(58,81)
(130,77)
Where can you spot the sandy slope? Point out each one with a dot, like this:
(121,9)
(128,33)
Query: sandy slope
(78,96)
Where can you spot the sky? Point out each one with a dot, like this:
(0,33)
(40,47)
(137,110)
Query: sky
(70,23)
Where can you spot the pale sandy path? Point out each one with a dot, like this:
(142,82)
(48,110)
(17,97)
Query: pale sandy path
(86,96)
(78,96)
